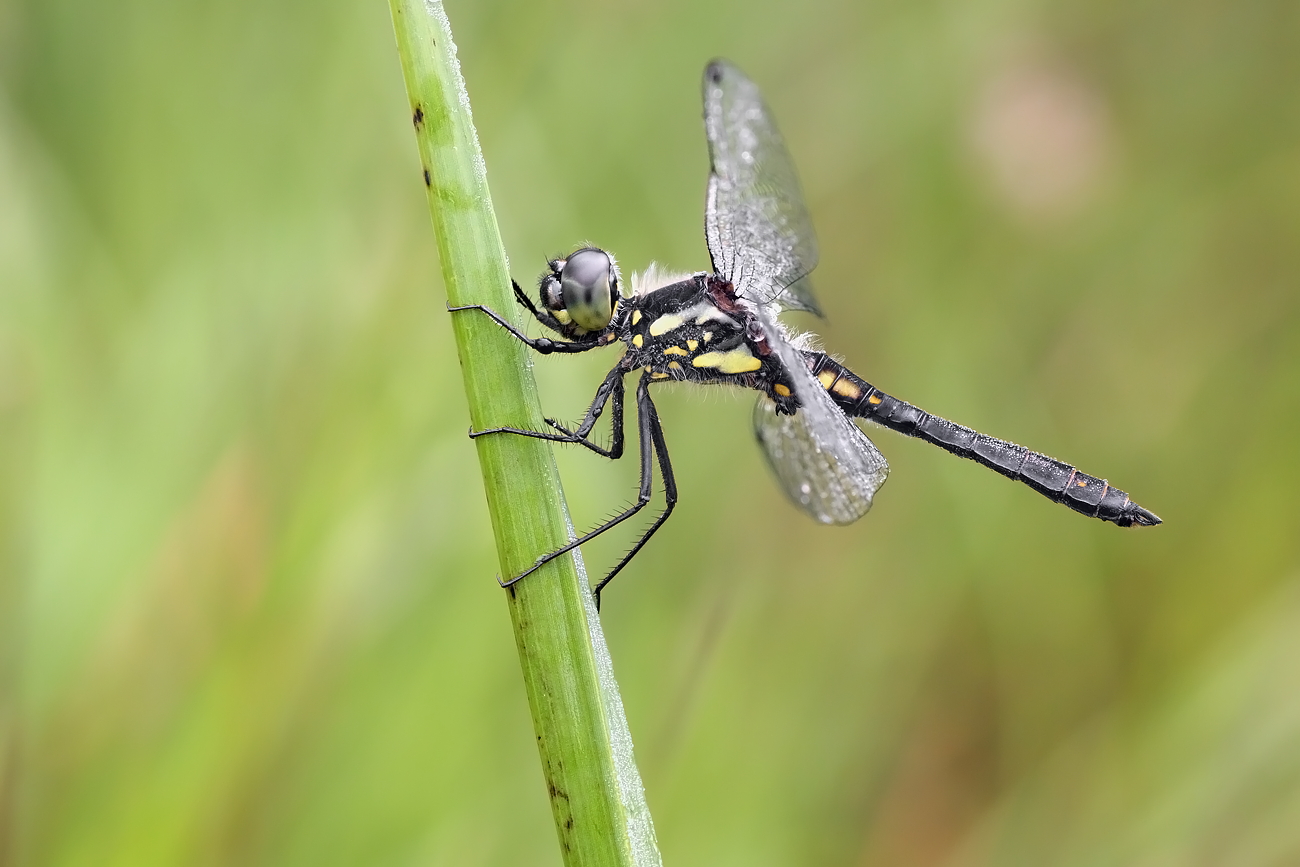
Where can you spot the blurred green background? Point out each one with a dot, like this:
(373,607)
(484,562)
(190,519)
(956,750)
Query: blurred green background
(247,610)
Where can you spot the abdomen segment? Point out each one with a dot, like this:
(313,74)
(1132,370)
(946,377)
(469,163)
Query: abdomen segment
(1056,480)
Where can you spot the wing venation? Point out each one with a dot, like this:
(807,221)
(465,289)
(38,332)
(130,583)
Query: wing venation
(757,226)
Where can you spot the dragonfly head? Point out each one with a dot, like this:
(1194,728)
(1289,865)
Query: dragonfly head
(582,290)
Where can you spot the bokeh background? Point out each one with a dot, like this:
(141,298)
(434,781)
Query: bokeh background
(247,610)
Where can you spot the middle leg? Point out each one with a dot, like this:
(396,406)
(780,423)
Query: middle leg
(651,428)
(611,390)
(651,443)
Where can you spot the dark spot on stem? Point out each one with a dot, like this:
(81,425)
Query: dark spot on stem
(418,117)
(428,182)
(556,791)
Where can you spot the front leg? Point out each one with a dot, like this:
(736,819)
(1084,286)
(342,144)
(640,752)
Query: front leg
(544,345)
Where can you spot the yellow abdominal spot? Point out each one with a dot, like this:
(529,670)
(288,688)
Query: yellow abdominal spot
(781,390)
(658,374)
(664,324)
(1082,484)
(637,340)
(844,388)
(738,360)
(674,350)
(692,345)
(826,377)
(874,400)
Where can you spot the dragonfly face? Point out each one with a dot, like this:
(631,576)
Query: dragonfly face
(722,328)
(581,292)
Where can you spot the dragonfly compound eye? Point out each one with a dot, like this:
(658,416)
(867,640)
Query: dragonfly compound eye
(587,284)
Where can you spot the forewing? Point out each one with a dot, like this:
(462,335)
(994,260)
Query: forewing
(759,233)
(826,464)
(761,239)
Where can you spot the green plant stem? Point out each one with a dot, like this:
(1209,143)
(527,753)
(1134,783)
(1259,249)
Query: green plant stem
(595,790)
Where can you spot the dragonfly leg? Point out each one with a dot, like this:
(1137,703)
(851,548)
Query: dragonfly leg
(611,390)
(650,429)
(652,442)
(543,345)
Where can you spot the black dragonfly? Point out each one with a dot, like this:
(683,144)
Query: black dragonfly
(722,328)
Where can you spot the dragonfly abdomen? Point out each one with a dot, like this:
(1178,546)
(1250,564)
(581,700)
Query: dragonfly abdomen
(1056,480)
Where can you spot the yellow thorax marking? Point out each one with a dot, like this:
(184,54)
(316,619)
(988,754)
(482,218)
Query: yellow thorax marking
(738,360)
(672,365)
(705,312)
(674,350)
(664,324)
(636,316)
(562,316)
(781,390)
(658,374)
(692,344)
(637,340)
(706,336)
(709,314)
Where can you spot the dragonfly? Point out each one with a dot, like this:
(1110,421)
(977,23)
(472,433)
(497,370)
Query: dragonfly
(722,327)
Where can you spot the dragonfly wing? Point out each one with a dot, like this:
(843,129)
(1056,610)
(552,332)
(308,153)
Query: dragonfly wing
(761,239)
(758,230)
(826,464)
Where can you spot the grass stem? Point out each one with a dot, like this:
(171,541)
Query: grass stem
(595,790)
